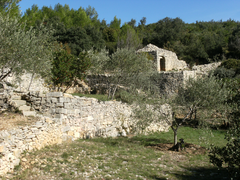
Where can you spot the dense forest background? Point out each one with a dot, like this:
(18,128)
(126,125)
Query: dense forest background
(196,43)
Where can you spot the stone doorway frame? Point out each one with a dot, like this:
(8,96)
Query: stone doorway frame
(162,63)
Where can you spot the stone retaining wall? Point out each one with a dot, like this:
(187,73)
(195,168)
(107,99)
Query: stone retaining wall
(66,118)
(167,82)
(37,83)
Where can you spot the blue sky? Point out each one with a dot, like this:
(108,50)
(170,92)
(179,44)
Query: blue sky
(189,11)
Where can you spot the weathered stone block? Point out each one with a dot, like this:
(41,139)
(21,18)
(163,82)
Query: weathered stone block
(24,108)
(19,103)
(61,100)
(59,104)
(66,128)
(30,136)
(68,105)
(70,133)
(29,113)
(68,95)
(54,94)
(48,120)
(58,116)
(54,100)
(70,111)
(90,118)
(16,152)
(61,111)
(87,103)
(48,100)
(37,102)
(2,148)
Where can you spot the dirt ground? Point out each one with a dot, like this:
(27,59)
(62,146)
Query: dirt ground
(11,120)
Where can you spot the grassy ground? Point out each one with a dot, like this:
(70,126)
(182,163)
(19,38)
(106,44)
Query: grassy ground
(138,157)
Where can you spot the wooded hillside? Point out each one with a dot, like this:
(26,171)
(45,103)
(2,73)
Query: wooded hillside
(200,42)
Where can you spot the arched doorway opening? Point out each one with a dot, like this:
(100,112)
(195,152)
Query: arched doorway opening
(162,64)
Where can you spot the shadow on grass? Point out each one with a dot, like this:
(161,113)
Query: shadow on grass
(202,174)
(148,141)
(195,174)
(157,178)
(140,140)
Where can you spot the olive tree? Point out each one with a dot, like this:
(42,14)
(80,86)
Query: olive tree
(24,50)
(124,67)
(228,157)
(205,93)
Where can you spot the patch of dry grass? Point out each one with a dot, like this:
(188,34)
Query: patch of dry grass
(10,120)
(109,158)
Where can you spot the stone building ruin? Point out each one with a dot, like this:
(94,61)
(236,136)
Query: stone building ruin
(165,60)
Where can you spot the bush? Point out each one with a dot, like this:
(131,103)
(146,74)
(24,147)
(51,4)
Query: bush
(231,64)
(204,93)
(222,72)
(229,156)
(125,96)
(68,69)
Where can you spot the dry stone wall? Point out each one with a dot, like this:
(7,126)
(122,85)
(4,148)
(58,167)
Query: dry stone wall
(65,118)
(36,83)
(167,82)
(105,118)
(205,68)
(5,95)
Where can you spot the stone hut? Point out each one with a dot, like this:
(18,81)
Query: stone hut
(165,60)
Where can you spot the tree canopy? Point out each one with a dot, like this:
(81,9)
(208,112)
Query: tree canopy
(24,50)
(196,43)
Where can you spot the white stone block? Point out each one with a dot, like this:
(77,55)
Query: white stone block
(29,113)
(54,94)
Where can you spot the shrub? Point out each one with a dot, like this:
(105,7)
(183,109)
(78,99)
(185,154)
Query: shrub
(231,64)
(229,155)
(67,68)
(222,72)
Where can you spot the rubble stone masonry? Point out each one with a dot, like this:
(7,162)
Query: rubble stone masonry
(64,117)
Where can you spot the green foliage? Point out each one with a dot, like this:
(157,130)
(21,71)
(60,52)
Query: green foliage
(24,50)
(61,71)
(116,23)
(67,68)
(77,39)
(231,64)
(110,34)
(132,23)
(204,92)
(10,8)
(124,66)
(229,69)
(168,30)
(69,17)
(196,43)
(98,60)
(229,156)
(128,38)
(125,96)
(140,155)
(234,42)
(80,39)
(222,72)
(91,13)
